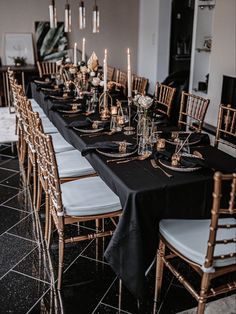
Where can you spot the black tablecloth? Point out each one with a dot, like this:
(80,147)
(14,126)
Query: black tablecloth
(146,195)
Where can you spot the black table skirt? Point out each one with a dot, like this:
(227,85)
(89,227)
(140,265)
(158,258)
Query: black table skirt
(146,195)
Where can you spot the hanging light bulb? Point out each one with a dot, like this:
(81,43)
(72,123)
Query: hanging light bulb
(81,15)
(52,14)
(95,18)
(67,18)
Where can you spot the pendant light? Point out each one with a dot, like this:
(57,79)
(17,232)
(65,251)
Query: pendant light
(52,14)
(81,15)
(67,18)
(95,18)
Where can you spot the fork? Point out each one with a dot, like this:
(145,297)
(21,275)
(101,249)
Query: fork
(155,165)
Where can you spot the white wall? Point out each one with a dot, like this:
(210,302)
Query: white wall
(119,25)
(223,54)
(154,40)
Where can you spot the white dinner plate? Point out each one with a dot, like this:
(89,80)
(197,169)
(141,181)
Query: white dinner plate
(167,164)
(116,154)
(190,142)
(84,130)
(69,111)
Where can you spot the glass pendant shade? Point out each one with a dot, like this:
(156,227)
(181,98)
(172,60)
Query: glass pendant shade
(95,19)
(67,18)
(81,15)
(52,15)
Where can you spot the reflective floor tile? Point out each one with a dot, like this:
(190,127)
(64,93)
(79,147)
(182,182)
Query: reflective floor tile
(115,296)
(9,163)
(84,285)
(19,201)
(14,180)
(26,228)
(19,293)
(9,217)
(13,249)
(4,174)
(106,309)
(36,265)
(6,193)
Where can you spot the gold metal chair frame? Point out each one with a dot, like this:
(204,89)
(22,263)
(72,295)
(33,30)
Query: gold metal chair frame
(48,166)
(110,73)
(139,84)
(226,126)
(205,291)
(47,68)
(164,96)
(192,112)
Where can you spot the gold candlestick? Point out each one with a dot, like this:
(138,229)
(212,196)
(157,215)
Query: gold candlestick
(105,100)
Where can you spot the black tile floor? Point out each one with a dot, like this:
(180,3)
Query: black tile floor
(28,272)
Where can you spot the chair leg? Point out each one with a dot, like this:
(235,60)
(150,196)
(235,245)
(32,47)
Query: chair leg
(39,195)
(159,274)
(205,283)
(47,214)
(34,183)
(49,232)
(29,170)
(61,258)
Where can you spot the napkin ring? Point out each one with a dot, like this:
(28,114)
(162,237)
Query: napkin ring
(122,147)
(161,143)
(95,125)
(175,160)
(74,107)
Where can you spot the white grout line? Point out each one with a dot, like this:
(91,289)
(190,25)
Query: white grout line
(116,308)
(38,300)
(7,186)
(9,169)
(105,294)
(17,209)
(15,223)
(31,277)
(13,173)
(18,263)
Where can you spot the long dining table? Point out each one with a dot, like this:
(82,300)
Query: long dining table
(147,195)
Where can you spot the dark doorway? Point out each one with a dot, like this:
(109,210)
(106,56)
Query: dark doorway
(181,35)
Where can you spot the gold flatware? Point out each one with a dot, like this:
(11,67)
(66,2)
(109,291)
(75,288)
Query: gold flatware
(142,157)
(116,159)
(155,165)
(99,134)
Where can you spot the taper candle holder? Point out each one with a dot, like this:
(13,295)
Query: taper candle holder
(129,130)
(105,100)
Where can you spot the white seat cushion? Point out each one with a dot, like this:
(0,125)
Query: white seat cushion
(34,103)
(48,126)
(190,237)
(73,164)
(60,144)
(40,112)
(88,196)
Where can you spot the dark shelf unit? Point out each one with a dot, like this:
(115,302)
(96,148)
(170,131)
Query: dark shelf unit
(181,35)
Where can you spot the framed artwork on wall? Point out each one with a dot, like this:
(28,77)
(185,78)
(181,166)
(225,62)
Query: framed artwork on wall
(51,43)
(18,49)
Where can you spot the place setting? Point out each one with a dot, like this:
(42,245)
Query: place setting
(180,159)
(114,149)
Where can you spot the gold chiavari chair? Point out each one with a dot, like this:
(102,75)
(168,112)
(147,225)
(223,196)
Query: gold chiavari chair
(164,96)
(47,68)
(226,126)
(87,199)
(71,164)
(192,111)
(208,246)
(139,84)
(110,73)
